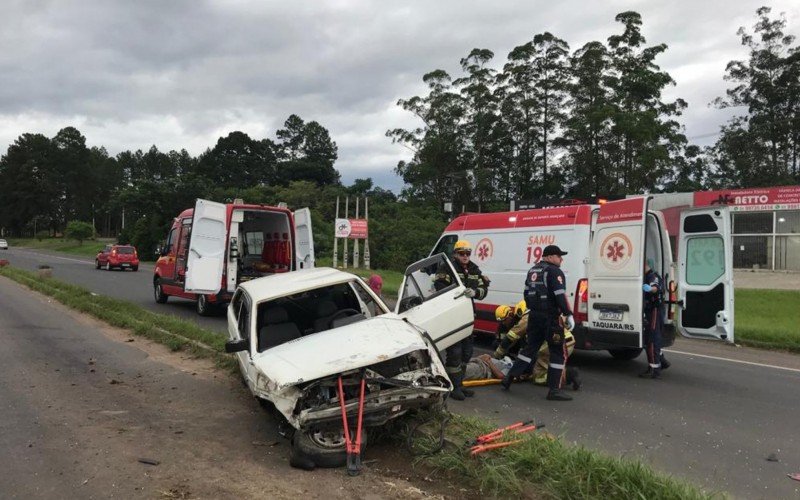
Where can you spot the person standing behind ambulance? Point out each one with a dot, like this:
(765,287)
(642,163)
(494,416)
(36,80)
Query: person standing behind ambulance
(546,296)
(460,353)
(653,322)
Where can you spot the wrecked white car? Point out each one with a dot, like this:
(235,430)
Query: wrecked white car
(298,334)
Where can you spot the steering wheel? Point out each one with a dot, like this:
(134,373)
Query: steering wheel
(342,313)
(410,302)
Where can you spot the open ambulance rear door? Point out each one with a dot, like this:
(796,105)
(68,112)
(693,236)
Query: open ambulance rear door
(303,239)
(207,248)
(616,272)
(705,274)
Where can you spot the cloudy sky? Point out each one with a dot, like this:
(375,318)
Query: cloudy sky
(180,74)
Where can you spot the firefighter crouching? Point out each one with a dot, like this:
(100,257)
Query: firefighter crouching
(458,355)
(545,296)
(513,326)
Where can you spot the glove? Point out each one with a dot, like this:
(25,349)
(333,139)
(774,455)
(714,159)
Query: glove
(570,323)
(469,292)
(646,288)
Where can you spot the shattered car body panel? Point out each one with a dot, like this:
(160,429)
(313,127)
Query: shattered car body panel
(398,360)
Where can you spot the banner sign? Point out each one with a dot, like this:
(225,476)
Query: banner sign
(354,229)
(772,198)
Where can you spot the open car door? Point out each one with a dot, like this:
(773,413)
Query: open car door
(303,239)
(705,274)
(432,298)
(206,248)
(616,273)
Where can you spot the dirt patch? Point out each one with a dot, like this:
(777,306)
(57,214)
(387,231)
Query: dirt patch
(769,280)
(136,420)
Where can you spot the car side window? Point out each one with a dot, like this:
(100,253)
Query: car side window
(170,241)
(368,302)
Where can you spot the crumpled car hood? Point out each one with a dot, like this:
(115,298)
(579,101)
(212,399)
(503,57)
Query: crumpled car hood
(339,350)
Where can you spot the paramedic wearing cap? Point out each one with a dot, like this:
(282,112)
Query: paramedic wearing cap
(653,321)
(460,353)
(546,297)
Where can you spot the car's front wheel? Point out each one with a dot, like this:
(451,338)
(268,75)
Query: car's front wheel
(204,308)
(108,266)
(324,448)
(158,292)
(96,264)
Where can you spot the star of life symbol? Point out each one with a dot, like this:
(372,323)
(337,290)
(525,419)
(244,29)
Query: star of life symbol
(616,251)
(484,250)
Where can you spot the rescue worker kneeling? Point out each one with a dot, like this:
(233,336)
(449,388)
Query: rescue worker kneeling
(545,296)
(512,329)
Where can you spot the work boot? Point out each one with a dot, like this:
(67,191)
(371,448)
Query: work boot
(574,378)
(557,395)
(457,392)
(664,363)
(656,373)
(517,369)
(505,384)
(647,373)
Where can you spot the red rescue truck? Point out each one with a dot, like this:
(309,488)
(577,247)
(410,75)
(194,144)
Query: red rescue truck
(213,247)
(608,245)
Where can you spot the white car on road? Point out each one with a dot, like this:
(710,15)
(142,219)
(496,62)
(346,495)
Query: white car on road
(297,334)
(3,245)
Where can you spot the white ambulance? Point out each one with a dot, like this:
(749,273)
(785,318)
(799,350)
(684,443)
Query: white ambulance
(607,247)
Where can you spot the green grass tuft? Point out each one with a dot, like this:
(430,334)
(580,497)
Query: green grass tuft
(768,318)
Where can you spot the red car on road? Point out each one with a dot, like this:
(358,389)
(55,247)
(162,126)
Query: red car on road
(119,256)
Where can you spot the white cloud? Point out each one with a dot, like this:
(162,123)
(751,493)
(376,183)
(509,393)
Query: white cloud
(181,74)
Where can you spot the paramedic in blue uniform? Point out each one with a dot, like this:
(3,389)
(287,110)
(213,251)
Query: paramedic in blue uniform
(546,296)
(653,321)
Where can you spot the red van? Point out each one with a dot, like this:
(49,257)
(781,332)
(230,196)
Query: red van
(213,247)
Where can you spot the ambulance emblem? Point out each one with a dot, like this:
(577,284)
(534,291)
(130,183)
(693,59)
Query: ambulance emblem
(484,250)
(616,251)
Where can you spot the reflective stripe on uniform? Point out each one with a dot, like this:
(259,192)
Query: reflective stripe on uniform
(559,292)
(524,358)
(556,366)
(655,365)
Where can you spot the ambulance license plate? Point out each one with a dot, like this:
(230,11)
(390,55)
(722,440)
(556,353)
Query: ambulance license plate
(611,315)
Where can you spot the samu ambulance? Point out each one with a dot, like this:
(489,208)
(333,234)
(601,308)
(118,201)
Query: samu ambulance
(213,247)
(607,247)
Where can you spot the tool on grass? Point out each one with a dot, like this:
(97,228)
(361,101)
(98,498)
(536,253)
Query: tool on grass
(353,448)
(481,443)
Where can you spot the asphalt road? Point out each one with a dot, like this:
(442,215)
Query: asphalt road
(87,411)
(722,417)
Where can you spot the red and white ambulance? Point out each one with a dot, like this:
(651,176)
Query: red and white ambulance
(608,245)
(213,247)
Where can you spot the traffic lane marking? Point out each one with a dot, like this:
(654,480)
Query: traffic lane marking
(763,365)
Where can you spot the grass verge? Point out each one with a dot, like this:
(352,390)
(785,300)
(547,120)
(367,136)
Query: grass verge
(89,247)
(768,318)
(177,334)
(527,468)
(542,463)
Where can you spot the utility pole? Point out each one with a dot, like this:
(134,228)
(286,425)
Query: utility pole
(335,239)
(355,243)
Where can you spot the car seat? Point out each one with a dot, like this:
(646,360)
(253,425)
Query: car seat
(325,311)
(276,328)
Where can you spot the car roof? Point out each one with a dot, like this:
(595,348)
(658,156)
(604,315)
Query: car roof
(281,284)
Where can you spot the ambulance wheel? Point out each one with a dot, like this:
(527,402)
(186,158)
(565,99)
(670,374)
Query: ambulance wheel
(158,292)
(625,354)
(323,448)
(204,308)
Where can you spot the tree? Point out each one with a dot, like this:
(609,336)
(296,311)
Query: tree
(762,147)
(79,230)
(648,138)
(27,183)
(306,152)
(240,161)
(437,172)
